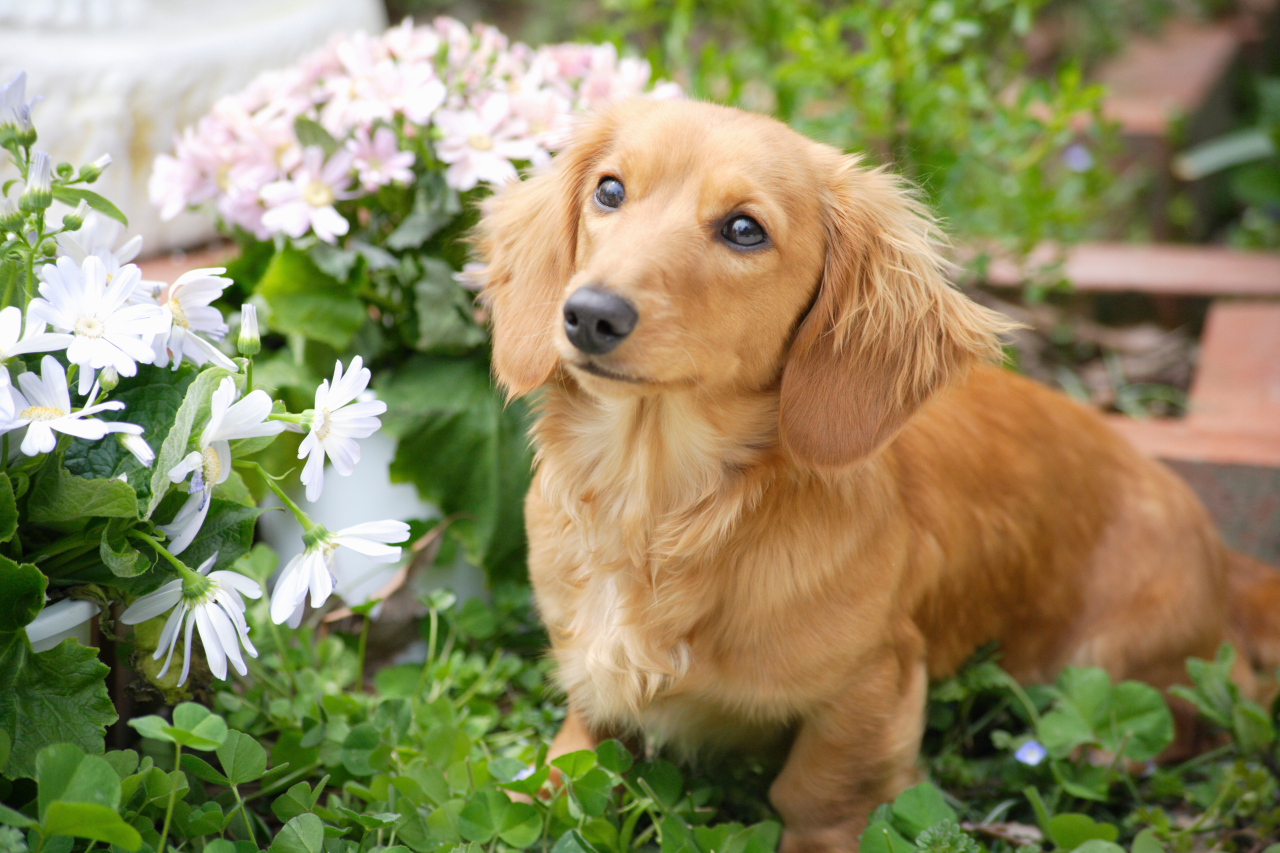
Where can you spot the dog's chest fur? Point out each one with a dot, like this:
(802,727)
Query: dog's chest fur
(640,501)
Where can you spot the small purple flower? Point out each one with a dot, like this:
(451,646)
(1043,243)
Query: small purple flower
(1031,753)
(1077,158)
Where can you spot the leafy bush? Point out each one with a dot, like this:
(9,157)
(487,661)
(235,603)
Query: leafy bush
(936,89)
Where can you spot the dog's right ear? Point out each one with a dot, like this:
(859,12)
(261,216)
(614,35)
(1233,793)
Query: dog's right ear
(527,237)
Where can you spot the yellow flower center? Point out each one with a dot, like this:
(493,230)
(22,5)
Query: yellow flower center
(480,141)
(222,177)
(41,413)
(317,194)
(212,467)
(90,327)
(179,316)
(324,423)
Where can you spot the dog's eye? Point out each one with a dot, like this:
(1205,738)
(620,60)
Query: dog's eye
(743,231)
(610,193)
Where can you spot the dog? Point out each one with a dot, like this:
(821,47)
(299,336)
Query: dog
(779,482)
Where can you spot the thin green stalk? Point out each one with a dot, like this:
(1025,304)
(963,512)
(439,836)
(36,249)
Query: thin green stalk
(360,650)
(434,618)
(183,569)
(173,798)
(280,650)
(244,814)
(302,517)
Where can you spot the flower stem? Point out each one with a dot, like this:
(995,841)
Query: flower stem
(360,650)
(183,569)
(305,520)
(173,796)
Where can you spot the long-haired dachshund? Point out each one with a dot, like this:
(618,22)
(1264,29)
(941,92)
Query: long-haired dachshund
(779,487)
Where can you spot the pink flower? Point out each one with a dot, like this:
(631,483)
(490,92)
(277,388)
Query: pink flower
(305,201)
(379,162)
(479,145)
(412,44)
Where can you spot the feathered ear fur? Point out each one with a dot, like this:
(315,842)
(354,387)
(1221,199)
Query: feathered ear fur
(885,331)
(527,237)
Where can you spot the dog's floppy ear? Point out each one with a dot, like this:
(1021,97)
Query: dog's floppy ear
(885,330)
(527,237)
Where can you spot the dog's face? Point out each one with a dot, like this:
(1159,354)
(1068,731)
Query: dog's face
(684,245)
(691,267)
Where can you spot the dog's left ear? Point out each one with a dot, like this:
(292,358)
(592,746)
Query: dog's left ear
(885,331)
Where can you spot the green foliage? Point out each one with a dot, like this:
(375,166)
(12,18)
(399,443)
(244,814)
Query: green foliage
(938,90)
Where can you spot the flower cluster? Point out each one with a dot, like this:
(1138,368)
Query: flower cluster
(486,106)
(85,311)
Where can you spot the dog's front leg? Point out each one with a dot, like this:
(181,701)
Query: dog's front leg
(853,753)
(574,735)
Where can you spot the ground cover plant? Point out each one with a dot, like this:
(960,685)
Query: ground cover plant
(347,200)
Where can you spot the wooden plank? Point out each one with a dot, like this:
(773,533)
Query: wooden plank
(1165,269)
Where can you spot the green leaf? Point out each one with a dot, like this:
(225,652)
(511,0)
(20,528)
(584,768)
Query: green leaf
(11,817)
(1146,842)
(74,195)
(664,780)
(65,773)
(57,696)
(194,726)
(1069,831)
(302,834)
(446,311)
(243,758)
(614,757)
(117,552)
(307,302)
(6,746)
(572,842)
(203,770)
(880,837)
(1098,845)
(151,399)
(193,410)
(8,509)
(227,530)
(311,133)
(435,205)
(58,495)
(574,764)
(1137,724)
(593,790)
(465,452)
(92,821)
(920,807)
(1252,728)
(22,588)
(359,748)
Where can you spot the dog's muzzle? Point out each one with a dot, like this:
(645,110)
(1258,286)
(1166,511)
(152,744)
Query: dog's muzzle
(596,321)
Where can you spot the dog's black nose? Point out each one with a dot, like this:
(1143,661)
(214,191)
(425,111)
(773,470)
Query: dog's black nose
(596,321)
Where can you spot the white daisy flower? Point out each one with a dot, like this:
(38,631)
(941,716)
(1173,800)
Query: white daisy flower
(214,606)
(56,622)
(337,423)
(312,570)
(15,341)
(211,464)
(479,145)
(188,311)
(85,301)
(44,406)
(96,237)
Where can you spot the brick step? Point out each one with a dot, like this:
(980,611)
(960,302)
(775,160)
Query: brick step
(1234,406)
(1157,268)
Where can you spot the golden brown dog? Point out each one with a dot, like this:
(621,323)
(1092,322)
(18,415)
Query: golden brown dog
(778,488)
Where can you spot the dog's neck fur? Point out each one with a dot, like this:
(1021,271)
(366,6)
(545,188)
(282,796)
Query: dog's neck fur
(646,476)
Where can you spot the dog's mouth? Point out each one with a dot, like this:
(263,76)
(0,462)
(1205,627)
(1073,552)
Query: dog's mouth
(596,370)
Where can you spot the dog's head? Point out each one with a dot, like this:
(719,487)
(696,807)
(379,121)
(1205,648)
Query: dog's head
(679,244)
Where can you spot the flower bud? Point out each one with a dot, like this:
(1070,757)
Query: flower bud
(73,220)
(137,445)
(249,343)
(15,112)
(90,171)
(64,170)
(109,378)
(50,248)
(10,217)
(39,192)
